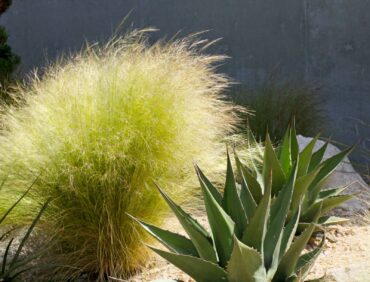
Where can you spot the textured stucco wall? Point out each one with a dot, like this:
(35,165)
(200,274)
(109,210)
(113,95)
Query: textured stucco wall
(326,42)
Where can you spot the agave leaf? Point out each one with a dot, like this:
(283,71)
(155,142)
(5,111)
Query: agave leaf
(294,143)
(275,259)
(290,259)
(303,226)
(254,187)
(305,157)
(332,202)
(327,205)
(330,220)
(222,226)
(301,185)
(306,260)
(198,235)
(251,139)
(260,179)
(289,232)
(279,211)
(245,264)
(316,157)
(203,179)
(231,202)
(177,210)
(254,234)
(247,200)
(272,164)
(331,192)
(285,155)
(327,167)
(173,241)
(199,269)
(310,212)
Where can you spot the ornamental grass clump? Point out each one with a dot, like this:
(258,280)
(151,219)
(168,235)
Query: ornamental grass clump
(98,129)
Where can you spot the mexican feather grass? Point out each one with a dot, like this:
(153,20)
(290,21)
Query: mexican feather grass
(98,129)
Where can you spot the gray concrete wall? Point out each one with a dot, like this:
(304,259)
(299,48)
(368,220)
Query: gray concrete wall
(326,42)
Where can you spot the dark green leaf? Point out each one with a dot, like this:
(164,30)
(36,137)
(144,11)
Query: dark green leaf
(253,185)
(331,220)
(289,260)
(285,152)
(254,234)
(279,211)
(301,185)
(202,178)
(294,143)
(222,226)
(327,167)
(198,235)
(289,232)
(327,205)
(306,260)
(316,157)
(305,157)
(247,200)
(174,242)
(199,269)
(231,202)
(275,259)
(271,163)
(331,192)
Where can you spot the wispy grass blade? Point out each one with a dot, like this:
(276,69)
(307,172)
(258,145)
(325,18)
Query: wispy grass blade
(28,233)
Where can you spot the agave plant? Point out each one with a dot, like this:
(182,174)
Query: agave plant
(13,266)
(311,172)
(248,240)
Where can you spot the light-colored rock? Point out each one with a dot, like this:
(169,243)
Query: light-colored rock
(344,175)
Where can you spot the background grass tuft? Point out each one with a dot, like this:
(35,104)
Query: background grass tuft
(274,105)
